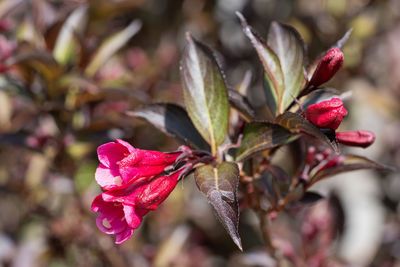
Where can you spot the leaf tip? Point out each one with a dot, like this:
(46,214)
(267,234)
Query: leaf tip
(239,244)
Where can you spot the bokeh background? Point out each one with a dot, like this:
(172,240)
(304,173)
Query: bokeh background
(57,104)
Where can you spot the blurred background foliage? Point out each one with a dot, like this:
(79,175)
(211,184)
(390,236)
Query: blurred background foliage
(74,67)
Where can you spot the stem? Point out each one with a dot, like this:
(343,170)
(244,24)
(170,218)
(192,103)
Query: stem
(265,231)
(264,225)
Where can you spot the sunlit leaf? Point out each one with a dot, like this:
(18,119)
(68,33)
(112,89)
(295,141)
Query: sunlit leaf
(220,186)
(298,124)
(110,46)
(273,72)
(351,163)
(259,136)
(204,92)
(288,45)
(174,121)
(65,47)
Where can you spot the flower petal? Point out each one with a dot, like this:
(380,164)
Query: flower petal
(111,153)
(107,177)
(111,219)
(134,216)
(128,146)
(123,236)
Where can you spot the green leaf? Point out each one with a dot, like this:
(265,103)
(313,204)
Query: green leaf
(297,124)
(351,163)
(66,45)
(204,92)
(259,136)
(220,186)
(174,121)
(110,46)
(273,71)
(288,45)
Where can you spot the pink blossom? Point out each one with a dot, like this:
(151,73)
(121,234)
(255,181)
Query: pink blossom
(121,164)
(122,210)
(326,114)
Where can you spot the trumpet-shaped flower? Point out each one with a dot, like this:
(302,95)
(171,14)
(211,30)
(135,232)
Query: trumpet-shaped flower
(121,164)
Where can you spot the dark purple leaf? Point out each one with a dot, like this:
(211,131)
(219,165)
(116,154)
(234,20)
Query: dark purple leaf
(173,121)
(351,163)
(220,186)
(298,124)
(259,136)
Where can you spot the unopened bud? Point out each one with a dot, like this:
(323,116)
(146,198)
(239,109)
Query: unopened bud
(336,161)
(357,138)
(326,114)
(330,63)
(310,155)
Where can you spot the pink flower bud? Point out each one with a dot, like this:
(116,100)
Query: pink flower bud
(157,191)
(326,114)
(357,138)
(330,63)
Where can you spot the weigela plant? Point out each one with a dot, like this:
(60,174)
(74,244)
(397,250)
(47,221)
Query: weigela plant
(136,181)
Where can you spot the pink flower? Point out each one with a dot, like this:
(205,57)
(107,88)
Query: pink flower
(122,210)
(326,114)
(358,138)
(121,164)
(331,62)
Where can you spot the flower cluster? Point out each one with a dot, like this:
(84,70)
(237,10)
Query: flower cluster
(134,185)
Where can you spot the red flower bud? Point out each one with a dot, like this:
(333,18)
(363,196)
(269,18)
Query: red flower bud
(330,63)
(358,138)
(333,162)
(326,114)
